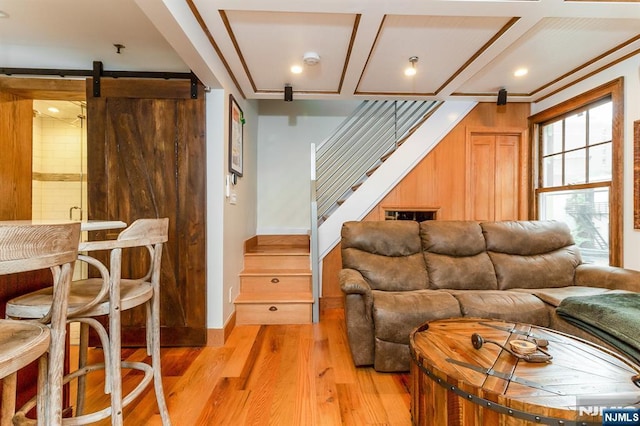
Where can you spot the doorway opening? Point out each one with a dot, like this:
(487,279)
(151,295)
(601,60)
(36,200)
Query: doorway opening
(59,167)
(59,160)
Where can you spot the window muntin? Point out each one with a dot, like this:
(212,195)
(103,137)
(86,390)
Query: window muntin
(567,158)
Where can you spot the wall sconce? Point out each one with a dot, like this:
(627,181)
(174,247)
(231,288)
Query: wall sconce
(502,97)
(411,70)
(288,93)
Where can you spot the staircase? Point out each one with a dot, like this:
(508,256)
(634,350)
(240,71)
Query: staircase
(275,285)
(328,216)
(365,140)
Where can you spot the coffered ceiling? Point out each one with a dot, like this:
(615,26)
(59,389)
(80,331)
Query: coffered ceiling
(465,49)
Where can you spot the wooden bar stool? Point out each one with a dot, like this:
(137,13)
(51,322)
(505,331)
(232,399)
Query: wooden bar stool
(110,295)
(26,247)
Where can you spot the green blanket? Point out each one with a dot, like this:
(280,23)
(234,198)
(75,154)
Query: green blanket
(615,318)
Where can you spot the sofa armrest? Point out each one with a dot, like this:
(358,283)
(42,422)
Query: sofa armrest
(352,282)
(358,308)
(609,277)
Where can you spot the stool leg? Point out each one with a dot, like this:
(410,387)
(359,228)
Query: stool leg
(114,341)
(116,367)
(154,324)
(8,399)
(57,348)
(82,362)
(43,395)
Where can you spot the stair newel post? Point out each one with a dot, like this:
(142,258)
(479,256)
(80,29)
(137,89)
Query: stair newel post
(314,258)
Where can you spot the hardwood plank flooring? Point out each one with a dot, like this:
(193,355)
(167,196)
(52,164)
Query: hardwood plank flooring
(266,375)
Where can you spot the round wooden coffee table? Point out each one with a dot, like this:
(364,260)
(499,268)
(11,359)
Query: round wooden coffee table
(453,383)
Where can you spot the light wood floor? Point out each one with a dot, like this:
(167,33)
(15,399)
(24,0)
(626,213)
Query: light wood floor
(268,375)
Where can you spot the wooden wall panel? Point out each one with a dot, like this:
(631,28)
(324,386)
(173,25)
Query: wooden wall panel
(438,181)
(16,116)
(44,88)
(16,132)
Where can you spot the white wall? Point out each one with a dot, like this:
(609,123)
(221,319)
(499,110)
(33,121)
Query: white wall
(228,225)
(240,218)
(285,132)
(630,70)
(215,104)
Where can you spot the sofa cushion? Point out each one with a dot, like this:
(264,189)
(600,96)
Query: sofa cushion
(387,238)
(455,254)
(396,314)
(555,269)
(526,238)
(531,254)
(388,254)
(388,273)
(469,272)
(554,296)
(452,237)
(505,305)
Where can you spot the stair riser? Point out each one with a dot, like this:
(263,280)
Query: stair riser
(273,313)
(275,284)
(279,262)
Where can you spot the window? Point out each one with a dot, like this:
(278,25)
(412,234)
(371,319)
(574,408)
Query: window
(579,171)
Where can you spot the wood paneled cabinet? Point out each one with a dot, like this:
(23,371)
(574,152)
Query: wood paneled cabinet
(494,175)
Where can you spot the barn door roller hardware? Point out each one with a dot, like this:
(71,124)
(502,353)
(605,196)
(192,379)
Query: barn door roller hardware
(98,72)
(97,75)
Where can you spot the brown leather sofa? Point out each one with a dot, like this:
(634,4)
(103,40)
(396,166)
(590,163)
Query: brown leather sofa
(398,274)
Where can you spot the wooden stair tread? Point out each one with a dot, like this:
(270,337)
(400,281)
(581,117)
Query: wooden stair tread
(275,271)
(302,297)
(267,250)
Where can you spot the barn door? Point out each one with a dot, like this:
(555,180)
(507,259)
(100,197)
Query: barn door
(145,158)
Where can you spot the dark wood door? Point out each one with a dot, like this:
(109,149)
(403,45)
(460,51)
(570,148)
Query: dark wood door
(146,158)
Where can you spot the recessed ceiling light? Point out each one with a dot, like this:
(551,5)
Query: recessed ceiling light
(520,72)
(3,14)
(53,110)
(296,69)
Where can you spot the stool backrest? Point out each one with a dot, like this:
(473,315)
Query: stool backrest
(148,234)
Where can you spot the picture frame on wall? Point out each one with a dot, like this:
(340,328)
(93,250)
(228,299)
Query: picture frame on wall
(636,174)
(236,122)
